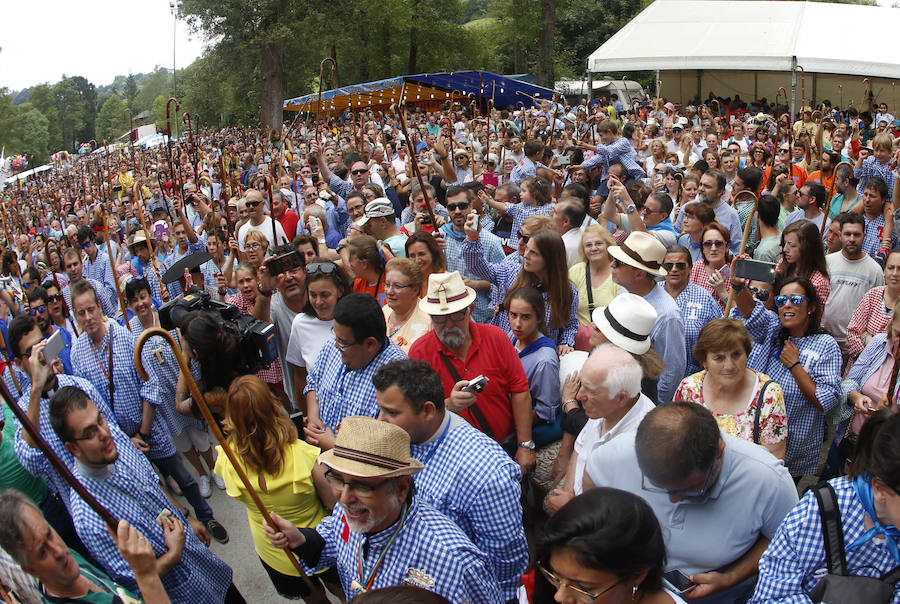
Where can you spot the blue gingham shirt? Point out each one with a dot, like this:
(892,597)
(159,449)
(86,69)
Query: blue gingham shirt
(870,168)
(342,393)
(519,212)
(522,170)
(429,546)
(872,241)
(129,391)
(619,151)
(197,247)
(493,252)
(477,265)
(468,477)
(820,357)
(34,461)
(697,307)
(100,270)
(133,493)
(159,360)
(795,559)
(108,304)
(667,336)
(22,378)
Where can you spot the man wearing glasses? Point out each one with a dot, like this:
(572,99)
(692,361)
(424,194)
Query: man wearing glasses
(39,307)
(718,498)
(258,221)
(339,384)
(459,350)
(96,265)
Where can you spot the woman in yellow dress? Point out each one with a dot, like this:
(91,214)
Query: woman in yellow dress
(281,468)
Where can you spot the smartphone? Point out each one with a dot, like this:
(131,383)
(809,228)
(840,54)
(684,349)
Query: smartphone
(314,223)
(563,160)
(755,270)
(297,418)
(160,228)
(476,384)
(285,262)
(490,179)
(680,581)
(54,346)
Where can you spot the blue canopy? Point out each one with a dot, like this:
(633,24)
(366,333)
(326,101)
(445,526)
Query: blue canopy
(425,89)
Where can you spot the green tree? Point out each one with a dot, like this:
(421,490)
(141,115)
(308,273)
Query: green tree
(34,126)
(71,111)
(130,91)
(43,98)
(10,131)
(112,121)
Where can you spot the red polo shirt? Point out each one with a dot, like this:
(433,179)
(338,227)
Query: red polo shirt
(492,355)
(289,220)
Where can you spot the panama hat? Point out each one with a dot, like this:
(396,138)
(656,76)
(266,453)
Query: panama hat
(369,448)
(447,294)
(641,250)
(627,322)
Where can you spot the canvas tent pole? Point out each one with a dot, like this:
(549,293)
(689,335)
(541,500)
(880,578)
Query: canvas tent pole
(793,89)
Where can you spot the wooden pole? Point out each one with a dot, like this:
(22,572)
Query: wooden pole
(747,226)
(207,415)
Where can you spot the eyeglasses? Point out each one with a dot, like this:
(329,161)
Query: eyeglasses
(342,346)
(358,172)
(36,311)
(54,298)
(556,580)
(645,210)
(680,493)
(253,246)
(523,237)
(325,268)
(395,286)
(615,263)
(360,488)
(714,243)
(795,300)
(84,245)
(784,150)
(253,204)
(670,265)
(92,432)
(463,205)
(455,317)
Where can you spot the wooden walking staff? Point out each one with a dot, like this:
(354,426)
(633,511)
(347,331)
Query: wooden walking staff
(112,263)
(415,163)
(9,364)
(186,117)
(111,521)
(833,178)
(169,127)
(319,100)
(204,410)
(781,90)
(747,226)
(164,293)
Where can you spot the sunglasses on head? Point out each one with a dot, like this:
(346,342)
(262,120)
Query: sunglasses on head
(795,300)
(670,265)
(463,205)
(320,267)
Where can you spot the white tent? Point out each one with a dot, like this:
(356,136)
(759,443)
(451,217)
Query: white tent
(702,45)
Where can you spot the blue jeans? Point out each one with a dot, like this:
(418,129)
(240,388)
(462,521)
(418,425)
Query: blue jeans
(174,467)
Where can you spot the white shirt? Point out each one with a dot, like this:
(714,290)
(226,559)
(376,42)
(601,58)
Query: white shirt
(266,229)
(590,436)
(308,335)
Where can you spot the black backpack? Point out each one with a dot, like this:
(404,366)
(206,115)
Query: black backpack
(838,585)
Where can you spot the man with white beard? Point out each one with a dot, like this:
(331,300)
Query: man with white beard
(380,533)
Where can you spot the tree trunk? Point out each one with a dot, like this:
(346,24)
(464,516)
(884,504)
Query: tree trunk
(413,40)
(271,98)
(545,44)
(332,52)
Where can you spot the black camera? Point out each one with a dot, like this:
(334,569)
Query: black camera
(256,344)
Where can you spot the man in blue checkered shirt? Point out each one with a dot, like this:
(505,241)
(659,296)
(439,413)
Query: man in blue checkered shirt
(187,243)
(75,273)
(340,383)
(467,476)
(131,491)
(133,402)
(96,265)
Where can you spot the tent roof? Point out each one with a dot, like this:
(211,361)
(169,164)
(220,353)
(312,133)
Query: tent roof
(422,88)
(752,35)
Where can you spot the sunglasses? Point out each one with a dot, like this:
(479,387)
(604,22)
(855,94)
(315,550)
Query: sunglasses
(325,268)
(253,204)
(670,265)
(795,300)
(54,298)
(85,245)
(523,237)
(714,243)
(36,311)
(358,172)
(463,205)
(784,150)
(760,294)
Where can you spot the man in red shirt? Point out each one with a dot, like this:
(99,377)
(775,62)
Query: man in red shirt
(460,350)
(283,214)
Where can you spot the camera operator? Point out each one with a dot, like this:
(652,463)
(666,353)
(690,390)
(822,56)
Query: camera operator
(280,308)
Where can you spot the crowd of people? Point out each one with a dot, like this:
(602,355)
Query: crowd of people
(588,352)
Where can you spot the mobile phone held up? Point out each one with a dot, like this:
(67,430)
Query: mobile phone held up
(284,263)
(476,384)
(755,270)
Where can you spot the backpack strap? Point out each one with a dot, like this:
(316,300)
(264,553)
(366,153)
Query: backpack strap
(759,403)
(832,529)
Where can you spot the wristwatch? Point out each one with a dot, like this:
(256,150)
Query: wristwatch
(630,208)
(737,286)
(528,444)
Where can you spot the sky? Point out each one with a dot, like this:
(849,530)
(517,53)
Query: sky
(40,40)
